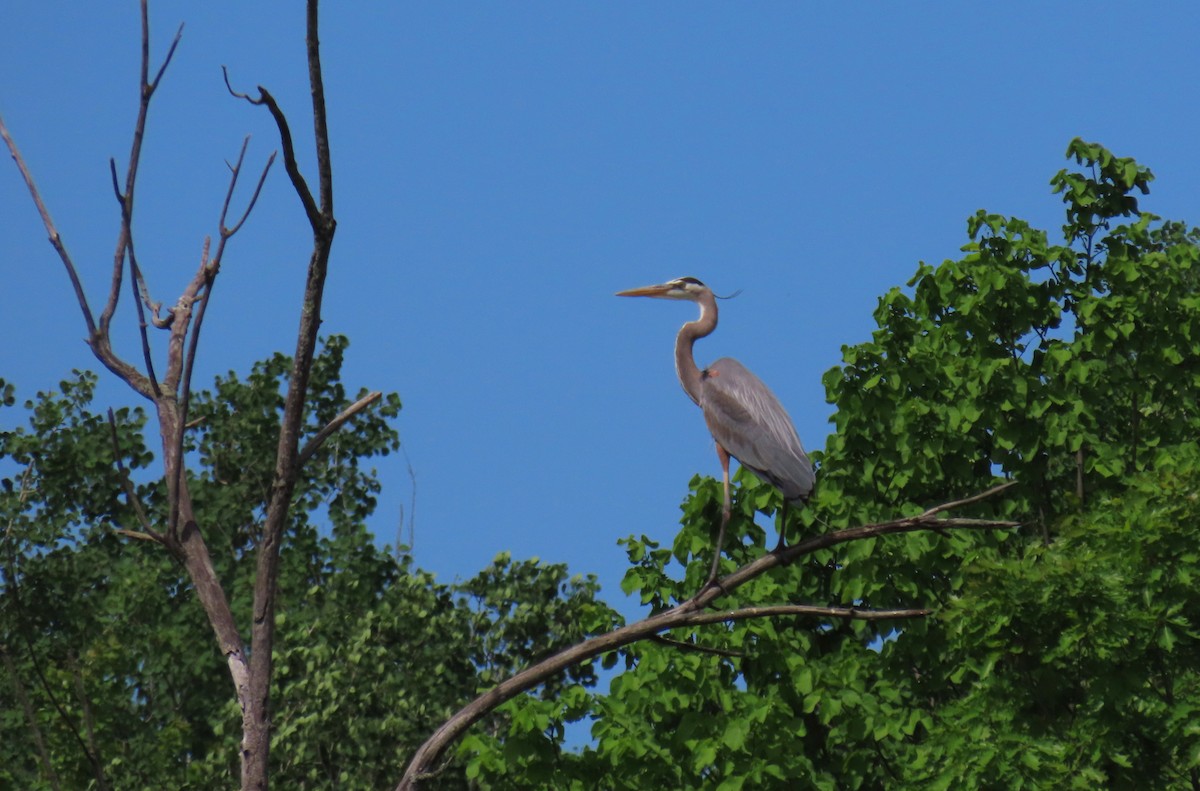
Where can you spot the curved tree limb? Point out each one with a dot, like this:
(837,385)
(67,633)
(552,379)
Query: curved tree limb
(265,99)
(693,612)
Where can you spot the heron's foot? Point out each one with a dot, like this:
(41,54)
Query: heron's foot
(783,520)
(782,545)
(726,513)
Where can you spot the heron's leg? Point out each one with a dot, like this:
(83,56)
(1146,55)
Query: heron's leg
(782,527)
(726,512)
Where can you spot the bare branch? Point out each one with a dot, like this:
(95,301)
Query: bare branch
(265,99)
(143,289)
(97,335)
(228,232)
(691,612)
(237,94)
(136,280)
(289,159)
(153,85)
(48,222)
(200,289)
(320,126)
(125,197)
(348,413)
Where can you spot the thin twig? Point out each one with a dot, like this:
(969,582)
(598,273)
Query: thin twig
(702,649)
(228,232)
(346,414)
(153,86)
(237,94)
(142,288)
(937,509)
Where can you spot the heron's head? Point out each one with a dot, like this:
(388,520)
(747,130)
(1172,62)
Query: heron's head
(681,288)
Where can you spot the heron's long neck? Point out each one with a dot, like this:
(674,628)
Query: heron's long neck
(685,364)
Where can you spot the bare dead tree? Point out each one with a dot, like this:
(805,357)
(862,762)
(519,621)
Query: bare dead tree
(695,612)
(249,662)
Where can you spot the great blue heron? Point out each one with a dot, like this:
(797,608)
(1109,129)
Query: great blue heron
(744,416)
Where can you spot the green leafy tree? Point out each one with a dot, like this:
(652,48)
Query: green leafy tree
(1059,655)
(109,678)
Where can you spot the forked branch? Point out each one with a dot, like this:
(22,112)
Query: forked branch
(256,726)
(126,197)
(693,612)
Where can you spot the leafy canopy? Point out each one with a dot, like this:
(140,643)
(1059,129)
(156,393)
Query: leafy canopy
(1062,655)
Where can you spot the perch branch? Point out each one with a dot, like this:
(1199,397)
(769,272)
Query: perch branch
(691,612)
(848,613)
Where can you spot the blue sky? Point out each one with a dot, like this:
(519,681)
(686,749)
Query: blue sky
(502,169)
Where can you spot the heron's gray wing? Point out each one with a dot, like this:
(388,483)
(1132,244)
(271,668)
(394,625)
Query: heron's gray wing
(747,420)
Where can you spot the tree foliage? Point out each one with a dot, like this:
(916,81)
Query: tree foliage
(1062,655)
(103,642)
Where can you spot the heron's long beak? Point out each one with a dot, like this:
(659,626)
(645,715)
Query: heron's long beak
(660,290)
